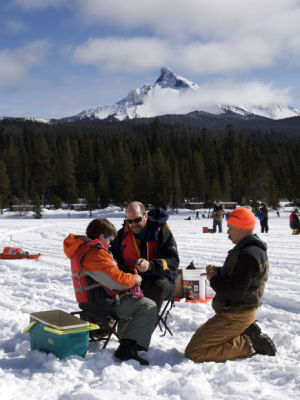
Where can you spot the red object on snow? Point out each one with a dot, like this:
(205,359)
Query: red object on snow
(15,253)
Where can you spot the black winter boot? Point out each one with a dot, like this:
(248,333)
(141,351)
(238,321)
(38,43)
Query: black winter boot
(128,351)
(261,343)
(253,330)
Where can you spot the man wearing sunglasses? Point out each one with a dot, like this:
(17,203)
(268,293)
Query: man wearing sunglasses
(146,243)
(239,286)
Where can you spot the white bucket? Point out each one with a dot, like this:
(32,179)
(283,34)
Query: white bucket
(209,291)
(194,285)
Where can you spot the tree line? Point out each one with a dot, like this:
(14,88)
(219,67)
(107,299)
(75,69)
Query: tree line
(150,161)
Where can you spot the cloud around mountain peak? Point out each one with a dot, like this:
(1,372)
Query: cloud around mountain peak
(174,94)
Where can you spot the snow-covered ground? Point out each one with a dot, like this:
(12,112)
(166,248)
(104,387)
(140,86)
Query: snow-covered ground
(28,286)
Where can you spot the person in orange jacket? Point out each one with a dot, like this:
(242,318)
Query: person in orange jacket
(100,286)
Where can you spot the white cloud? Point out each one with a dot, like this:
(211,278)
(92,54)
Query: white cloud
(125,54)
(15,65)
(135,54)
(247,93)
(208,18)
(207,36)
(208,96)
(221,57)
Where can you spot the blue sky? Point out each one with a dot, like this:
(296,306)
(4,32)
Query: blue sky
(59,57)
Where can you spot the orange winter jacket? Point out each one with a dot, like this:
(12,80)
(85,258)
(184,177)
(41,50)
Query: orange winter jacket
(98,271)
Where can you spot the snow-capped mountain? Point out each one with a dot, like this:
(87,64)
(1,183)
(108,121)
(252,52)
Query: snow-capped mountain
(123,109)
(168,79)
(173,94)
(275,111)
(142,102)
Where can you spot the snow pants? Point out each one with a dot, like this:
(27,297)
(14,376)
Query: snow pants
(138,317)
(221,338)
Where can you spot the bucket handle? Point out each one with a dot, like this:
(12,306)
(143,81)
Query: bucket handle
(66,332)
(28,327)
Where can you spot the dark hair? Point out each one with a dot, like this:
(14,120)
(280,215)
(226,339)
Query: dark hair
(98,226)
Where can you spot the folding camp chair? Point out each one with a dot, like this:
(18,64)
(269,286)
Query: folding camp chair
(107,326)
(163,316)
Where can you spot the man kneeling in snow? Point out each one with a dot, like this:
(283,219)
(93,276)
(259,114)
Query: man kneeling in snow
(239,286)
(101,286)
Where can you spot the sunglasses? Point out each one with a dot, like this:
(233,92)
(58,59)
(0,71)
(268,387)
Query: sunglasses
(136,220)
(109,238)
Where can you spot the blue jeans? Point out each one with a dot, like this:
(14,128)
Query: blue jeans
(217,224)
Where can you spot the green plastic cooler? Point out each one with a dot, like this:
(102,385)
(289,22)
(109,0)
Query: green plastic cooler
(58,332)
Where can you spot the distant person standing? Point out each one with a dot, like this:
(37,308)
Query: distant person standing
(197,215)
(263,211)
(294,222)
(218,214)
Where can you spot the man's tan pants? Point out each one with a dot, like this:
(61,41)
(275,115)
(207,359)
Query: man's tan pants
(221,338)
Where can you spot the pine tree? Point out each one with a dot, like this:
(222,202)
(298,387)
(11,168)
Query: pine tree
(68,182)
(12,157)
(90,198)
(227,185)
(144,182)
(4,186)
(162,180)
(40,166)
(102,188)
(176,196)
(260,176)
(85,165)
(198,177)
(37,206)
(123,175)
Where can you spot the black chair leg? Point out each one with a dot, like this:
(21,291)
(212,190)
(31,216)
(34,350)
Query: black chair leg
(112,332)
(163,316)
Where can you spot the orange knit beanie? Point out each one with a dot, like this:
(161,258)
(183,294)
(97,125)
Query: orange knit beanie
(242,218)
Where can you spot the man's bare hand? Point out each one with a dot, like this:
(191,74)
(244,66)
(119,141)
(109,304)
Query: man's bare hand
(142,265)
(211,271)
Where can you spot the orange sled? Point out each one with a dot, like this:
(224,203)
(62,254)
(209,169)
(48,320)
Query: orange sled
(15,253)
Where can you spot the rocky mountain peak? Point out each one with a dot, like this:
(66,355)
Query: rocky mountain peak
(168,79)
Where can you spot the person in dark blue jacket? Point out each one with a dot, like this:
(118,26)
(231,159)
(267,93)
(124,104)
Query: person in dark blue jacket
(294,222)
(145,242)
(263,218)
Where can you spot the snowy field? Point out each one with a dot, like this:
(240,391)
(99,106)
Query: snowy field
(28,286)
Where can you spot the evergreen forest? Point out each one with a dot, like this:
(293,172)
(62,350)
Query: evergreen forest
(157,163)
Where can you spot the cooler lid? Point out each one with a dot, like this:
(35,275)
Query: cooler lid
(59,319)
